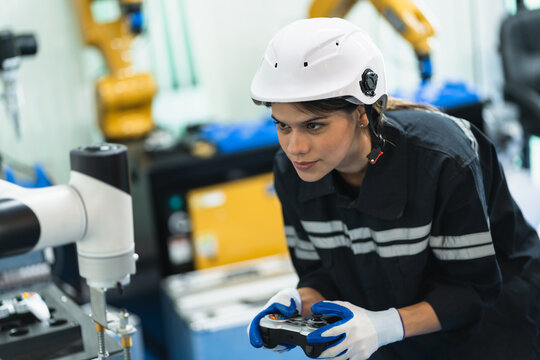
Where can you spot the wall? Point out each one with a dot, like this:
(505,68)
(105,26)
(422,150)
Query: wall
(58,111)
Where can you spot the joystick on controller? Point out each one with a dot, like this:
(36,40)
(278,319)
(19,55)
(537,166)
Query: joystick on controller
(276,329)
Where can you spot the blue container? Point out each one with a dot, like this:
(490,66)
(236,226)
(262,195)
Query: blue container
(443,95)
(230,138)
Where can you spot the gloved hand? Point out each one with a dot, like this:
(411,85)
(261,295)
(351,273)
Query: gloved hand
(360,332)
(286,302)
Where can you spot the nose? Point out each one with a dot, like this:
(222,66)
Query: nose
(298,143)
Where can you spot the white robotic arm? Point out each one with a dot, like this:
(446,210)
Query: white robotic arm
(32,219)
(94,211)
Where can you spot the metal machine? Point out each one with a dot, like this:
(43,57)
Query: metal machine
(94,211)
(124,97)
(403,15)
(12,48)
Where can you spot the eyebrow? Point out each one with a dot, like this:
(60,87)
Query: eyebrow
(303,122)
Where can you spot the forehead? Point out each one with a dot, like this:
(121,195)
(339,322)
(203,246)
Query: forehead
(287,108)
(293,113)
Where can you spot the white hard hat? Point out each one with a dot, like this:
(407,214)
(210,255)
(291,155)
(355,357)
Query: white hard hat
(320,58)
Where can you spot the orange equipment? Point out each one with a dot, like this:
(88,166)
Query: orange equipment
(124,98)
(403,15)
(236,221)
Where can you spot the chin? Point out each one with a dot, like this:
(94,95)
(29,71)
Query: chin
(310,177)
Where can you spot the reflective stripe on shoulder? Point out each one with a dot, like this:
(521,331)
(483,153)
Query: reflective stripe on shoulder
(465,247)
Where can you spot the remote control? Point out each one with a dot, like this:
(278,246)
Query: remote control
(276,329)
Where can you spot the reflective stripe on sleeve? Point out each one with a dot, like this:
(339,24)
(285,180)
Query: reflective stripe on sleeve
(306,255)
(465,253)
(324,227)
(401,234)
(460,241)
(303,249)
(330,242)
(391,250)
(334,234)
(320,227)
(465,247)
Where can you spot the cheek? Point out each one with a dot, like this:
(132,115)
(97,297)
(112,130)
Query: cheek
(282,140)
(335,146)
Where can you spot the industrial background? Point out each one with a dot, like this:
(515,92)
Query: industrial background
(172,86)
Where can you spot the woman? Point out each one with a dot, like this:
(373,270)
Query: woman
(398,217)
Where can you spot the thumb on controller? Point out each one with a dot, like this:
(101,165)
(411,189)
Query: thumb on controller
(286,302)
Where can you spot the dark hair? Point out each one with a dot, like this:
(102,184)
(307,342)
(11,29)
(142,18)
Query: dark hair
(326,106)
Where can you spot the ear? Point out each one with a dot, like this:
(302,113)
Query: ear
(359,115)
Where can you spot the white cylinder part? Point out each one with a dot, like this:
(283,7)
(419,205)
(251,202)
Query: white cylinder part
(59,210)
(109,231)
(7,188)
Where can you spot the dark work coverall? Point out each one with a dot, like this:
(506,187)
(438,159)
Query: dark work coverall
(432,221)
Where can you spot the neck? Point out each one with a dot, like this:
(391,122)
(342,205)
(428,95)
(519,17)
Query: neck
(356,178)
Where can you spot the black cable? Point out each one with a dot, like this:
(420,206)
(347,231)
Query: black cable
(377,139)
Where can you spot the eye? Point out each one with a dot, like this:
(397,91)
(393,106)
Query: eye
(314,126)
(280,125)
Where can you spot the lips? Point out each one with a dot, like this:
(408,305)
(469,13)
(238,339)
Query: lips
(304,165)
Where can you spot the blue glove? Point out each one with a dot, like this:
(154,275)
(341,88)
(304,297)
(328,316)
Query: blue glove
(360,332)
(286,302)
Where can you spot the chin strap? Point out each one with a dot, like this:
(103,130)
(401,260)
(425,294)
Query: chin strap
(378,145)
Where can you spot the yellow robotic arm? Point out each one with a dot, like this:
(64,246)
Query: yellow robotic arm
(403,15)
(124,97)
